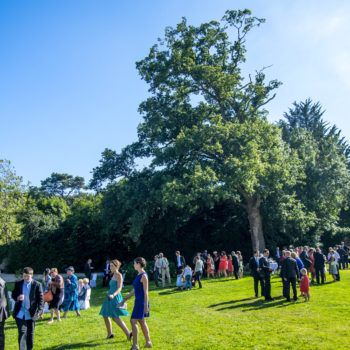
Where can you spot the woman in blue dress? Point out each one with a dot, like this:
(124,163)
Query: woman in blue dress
(141,306)
(110,308)
(71,302)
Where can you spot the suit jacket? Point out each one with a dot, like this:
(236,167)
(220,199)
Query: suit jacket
(4,301)
(319,260)
(35,298)
(253,266)
(289,268)
(182,259)
(235,262)
(264,266)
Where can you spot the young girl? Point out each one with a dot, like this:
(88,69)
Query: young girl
(110,307)
(333,268)
(141,306)
(305,284)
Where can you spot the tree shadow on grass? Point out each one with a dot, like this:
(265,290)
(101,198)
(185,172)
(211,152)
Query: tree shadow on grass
(252,306)
(230,302)
(88,344)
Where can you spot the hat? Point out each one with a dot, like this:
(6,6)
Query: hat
(70,268)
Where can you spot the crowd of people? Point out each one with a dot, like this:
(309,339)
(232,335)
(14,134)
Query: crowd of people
(65,294)
(303,265)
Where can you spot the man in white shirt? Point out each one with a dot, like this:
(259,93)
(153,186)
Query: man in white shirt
(198,270)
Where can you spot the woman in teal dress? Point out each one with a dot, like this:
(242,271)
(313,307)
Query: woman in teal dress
(110,308)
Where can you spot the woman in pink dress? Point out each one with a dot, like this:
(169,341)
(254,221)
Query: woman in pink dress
(223,264)
(229,266)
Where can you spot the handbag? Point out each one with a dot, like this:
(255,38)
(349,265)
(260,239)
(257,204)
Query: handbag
(48,296)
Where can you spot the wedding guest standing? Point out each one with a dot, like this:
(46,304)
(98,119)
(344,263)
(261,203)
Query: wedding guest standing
(110,307)
(29,304)
(4,311)
(57,289)
(265,269)
(88,269)
(255,272)
(71,302)
(141,306)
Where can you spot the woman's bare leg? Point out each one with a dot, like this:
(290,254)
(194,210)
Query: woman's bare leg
(108,326)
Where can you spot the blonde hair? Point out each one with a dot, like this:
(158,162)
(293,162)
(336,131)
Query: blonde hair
(85,280)
(116,263)
(54,269)
(80,280)
(303,271)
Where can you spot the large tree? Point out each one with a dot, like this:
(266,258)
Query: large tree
(205,125)
(324,156)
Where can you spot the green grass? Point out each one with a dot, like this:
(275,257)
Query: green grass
(222,315)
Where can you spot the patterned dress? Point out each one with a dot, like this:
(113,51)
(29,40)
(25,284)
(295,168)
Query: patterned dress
(110,306)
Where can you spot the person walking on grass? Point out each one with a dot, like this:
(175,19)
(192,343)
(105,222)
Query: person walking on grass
(305,284)
(141,306)
(71,302)
(198,271)
(110,309)
(57,289)
(28,295)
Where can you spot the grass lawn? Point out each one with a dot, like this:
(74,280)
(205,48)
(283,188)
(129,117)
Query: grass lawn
(222,315)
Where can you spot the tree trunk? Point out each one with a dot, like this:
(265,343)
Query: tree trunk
(255,223)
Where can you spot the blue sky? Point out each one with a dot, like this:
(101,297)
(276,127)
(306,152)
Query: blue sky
(69,87)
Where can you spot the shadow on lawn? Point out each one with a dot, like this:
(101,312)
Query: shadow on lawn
(251,306)
(88,344)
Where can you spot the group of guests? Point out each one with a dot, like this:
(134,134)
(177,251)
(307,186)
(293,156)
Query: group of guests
(30,296)
(296,265)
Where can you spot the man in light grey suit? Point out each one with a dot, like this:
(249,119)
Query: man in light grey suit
(4,311)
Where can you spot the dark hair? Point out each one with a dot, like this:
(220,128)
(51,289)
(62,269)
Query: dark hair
(140,261)
(266,251)
(28,271)
(256,251)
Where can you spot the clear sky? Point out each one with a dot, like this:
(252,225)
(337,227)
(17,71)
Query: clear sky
(69,87)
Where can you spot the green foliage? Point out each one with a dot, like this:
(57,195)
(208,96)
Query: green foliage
(11,202)
(62,185)
(323,155)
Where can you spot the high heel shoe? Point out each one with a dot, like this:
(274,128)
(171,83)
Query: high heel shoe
(148,344)
(110,336)
(129,337)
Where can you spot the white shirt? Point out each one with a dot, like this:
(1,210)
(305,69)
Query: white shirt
(199,266)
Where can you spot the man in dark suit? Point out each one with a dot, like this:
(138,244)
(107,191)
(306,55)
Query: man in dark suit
(289,274)
(106,274)
(88,269)
(180,261)
(235,264)
(28,295)
(255,272)
(320,261)
(265,273)
(4,311)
